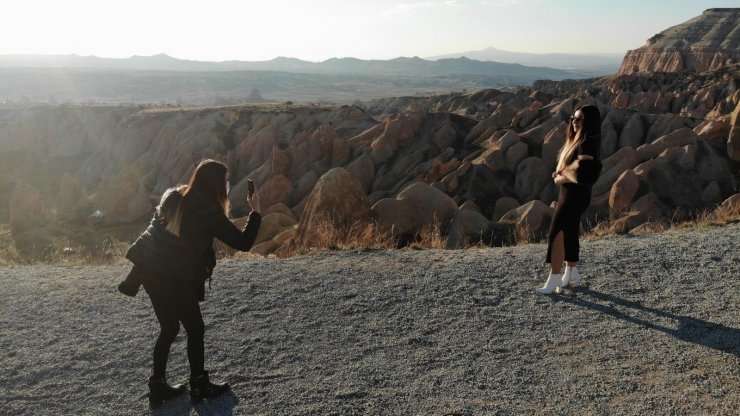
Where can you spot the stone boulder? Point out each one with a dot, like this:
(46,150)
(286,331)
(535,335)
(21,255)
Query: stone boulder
(276,190)
(650,207)
(336,199)
(305,185)
(272,225)
(664,124)
(272,245)
(467,227)
(494,156)
(363,169)
(679,138)
(500,119)
(730,207)
(646,209)
(440,169)
(398,130)
(609,139)
(714,132)
(515,154)
(622,100)
(73,204)
(531,219)
(643,169)
(632,132)
(123,199)
(676,177)
(613,166)
(503,205)
(711,195)
(470,205)
(531,178)
(733,141)
(280,208)
(623,190)
(415,207)
(554,141)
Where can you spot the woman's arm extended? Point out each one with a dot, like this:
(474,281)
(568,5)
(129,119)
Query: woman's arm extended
(241,240)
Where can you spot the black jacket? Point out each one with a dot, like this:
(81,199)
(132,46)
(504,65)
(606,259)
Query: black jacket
(188,258)
(586,172)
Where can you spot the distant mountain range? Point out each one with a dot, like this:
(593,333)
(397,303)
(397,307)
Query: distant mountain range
(597,64)
(162,78)
(397,66)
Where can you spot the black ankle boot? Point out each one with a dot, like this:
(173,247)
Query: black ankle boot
(202,388)
(159,391)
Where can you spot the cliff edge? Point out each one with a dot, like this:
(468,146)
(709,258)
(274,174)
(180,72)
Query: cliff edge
(704,43)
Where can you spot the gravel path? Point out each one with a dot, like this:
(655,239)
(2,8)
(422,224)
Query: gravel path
(653,329)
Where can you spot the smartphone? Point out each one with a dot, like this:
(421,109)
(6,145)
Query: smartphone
(250,188)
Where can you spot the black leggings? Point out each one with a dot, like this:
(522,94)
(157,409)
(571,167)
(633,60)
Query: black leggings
(573,201)
(176,302)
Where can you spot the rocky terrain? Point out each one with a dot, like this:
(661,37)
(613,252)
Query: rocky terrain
(477,165)
(704,43)
(465,161)
(653,329)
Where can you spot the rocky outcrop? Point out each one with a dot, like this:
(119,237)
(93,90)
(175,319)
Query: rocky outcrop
(336,201)
(427,159)
(414,207)
(704,43)
(123,199)
(29,221)
(733,141)
(531,219)
(73,205)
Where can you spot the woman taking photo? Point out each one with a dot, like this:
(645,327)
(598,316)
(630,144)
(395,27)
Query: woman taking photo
(174,257)
(577,170)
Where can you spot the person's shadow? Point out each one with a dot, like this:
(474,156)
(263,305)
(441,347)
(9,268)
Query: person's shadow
(222,405)
(697,331)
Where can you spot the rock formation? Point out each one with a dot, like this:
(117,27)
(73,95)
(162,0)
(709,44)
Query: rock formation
(478,164)
(337,200)
(704,43)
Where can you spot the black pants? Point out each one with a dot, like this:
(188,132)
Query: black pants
(573,201)
(176,302)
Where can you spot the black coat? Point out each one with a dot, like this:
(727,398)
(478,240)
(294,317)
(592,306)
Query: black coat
(586,172)
(188,258)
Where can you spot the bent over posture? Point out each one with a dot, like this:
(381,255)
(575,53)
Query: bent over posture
(578,168)
(174,257)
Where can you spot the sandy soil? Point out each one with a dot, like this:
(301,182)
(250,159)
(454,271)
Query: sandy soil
(653,329)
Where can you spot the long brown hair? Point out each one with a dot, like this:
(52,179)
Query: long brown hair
(573,139)
(208,178)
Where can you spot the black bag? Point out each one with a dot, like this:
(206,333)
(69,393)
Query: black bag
(130,285)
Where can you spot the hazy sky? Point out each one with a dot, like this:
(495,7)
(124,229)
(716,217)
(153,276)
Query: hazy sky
(315,30)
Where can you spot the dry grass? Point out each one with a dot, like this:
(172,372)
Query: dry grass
(328,237)
(105,254)
(722,215)
(356,236)
(429,237)
(680,219)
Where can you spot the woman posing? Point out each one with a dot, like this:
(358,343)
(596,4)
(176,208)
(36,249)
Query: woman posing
(174,257)
(577,169)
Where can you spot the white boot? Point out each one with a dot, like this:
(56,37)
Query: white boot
(566,277)
(571,276)
(554,281)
